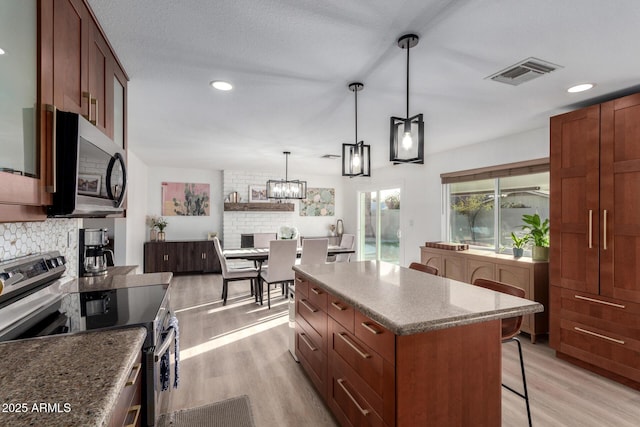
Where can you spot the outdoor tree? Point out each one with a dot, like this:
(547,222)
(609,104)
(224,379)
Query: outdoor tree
(470,206)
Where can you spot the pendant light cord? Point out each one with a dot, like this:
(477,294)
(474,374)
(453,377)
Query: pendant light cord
(408,49)
(286,167)
(356,93)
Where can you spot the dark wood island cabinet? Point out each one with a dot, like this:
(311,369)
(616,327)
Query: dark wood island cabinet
(181,257)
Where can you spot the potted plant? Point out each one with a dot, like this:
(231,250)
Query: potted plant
(538,232)
(160,223)
(518,244)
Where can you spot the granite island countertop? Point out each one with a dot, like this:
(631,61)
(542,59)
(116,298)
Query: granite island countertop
(80,376)
(407,301)
(116,278)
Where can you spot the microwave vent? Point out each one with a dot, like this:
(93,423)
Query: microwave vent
(523,71)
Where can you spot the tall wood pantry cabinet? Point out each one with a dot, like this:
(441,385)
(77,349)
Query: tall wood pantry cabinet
(595,238)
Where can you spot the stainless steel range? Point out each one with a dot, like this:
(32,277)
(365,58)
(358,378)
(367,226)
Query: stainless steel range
(32,304)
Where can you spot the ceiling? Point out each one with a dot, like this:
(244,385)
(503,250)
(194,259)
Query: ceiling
(290,62)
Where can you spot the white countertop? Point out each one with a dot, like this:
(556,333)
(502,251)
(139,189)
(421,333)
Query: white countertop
(408,301)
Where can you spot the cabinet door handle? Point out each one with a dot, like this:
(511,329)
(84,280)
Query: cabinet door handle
(353,346)
(89,98)
(53,187)
(599,301)
(298,279)
(308,307)
(316,291)
(590,228)
(96,114)
(604,233)
(363,411)
(595,334)
(338,307)
(135,409)
(370,329)
(136,369)
(304,338)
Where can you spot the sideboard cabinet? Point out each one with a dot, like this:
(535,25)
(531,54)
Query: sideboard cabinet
(181,257)
(466,266)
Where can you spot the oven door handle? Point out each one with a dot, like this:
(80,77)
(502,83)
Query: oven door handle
(165,344)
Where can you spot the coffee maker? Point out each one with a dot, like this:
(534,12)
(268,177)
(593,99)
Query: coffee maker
(93,255)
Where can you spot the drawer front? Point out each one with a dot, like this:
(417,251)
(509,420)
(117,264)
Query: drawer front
(313,316)
(128,410)
(342,312)
(376,336)
(312,359)
(302,286)
(351,400)
(366,363)
(318,296)
(610,351)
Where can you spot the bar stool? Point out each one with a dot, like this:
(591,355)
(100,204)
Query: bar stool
(424,268)
(510,328)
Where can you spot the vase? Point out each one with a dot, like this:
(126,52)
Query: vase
(161,236)
(153,235)
(540,253)
(518,252)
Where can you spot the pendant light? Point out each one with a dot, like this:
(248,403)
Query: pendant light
(356,160)
(407,134)
(284,189)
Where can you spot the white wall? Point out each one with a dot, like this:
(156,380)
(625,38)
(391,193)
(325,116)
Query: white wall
(186,227)
(237,223)
(421,205)
(137,203)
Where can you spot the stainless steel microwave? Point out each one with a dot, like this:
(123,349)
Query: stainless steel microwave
(90,170)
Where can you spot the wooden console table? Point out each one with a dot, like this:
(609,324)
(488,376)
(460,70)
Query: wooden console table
(181,257)
(468,265)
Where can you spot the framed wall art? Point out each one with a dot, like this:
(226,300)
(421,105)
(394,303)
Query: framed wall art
(319,202)
(185,199)
(258,194)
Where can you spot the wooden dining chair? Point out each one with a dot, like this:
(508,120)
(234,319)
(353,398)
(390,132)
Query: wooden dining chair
(510,328)
(314,251)
(424,268)
(282,257)
(233,274)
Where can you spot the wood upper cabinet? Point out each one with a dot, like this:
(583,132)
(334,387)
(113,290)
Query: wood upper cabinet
(595,235)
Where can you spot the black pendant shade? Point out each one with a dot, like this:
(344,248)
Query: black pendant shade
(356,159)
(406,143)
(284,189)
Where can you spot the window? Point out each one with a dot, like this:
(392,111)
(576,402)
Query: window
(485,206)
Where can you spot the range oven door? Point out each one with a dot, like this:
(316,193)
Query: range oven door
(157,399)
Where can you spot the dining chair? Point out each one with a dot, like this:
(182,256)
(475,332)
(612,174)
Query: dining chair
(347,241)
(424,268)
(282,257)
(233,274)
(314,251)
(261,240)
(510,328)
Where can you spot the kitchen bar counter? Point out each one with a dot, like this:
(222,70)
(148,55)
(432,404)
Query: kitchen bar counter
(70,380)
(407,302)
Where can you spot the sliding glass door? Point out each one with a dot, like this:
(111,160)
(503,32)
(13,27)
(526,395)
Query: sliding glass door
(379,225)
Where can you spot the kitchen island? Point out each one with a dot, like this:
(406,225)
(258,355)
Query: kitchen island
(386,345)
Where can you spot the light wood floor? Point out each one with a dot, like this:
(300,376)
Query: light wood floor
(242,348)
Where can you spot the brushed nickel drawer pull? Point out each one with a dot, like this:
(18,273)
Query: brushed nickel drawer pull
(337,306)
(604,233)
(311,309)
(599,301)
(132,381)
(299,280)
(316,291)
(590,228)
(304,338)
(370,329)
(52,186)
(353,346)
(364,412)
(604,337)
(135,419)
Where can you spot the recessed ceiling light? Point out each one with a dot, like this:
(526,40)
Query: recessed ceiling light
(580,88)
(1,51)
(221,85)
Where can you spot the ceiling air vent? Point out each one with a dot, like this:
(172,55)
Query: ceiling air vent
(330,156)
(524,71)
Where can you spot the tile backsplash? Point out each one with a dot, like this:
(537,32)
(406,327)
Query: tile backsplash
(25,238)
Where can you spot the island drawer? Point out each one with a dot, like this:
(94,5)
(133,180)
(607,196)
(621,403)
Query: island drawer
(128,409)
(367,364)
(302,285)
(342,312)
(312,315)
(318,297)
(314,361)
(376,336)
(353,402)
